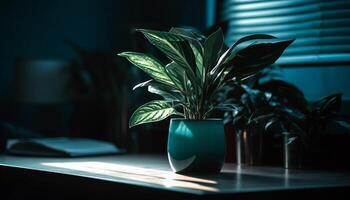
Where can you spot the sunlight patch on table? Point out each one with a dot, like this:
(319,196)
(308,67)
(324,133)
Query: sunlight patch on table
(143,175)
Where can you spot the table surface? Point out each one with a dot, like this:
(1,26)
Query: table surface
(153,171)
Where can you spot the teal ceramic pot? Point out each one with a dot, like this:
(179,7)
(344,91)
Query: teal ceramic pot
(196,145)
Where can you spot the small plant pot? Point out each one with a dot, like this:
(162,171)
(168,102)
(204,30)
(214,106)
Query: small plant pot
(249,146)
(292,151)
(196,145)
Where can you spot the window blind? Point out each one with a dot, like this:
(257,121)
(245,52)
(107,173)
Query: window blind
(321,28)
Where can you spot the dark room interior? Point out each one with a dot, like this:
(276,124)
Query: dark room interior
(179,99)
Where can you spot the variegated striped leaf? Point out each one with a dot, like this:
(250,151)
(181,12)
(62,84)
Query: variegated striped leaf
(152,112)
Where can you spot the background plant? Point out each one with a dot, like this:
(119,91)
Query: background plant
(252,107)
(199,69)
(293,114)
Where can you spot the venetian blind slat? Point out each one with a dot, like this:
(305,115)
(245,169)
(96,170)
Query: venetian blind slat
(321,28)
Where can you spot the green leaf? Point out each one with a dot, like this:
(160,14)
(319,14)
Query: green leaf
(149,65)
(291,139)
(176,72)
(212,48)
(213,83)
(194,39)
(227,54)
(329,104)
(261,118)
(344,124)
(152,112)
(222,71)
(285,92)
(291,113)
(270,123)
(257,56)
(169,43)
(190,33)
(227,106)
(197,51)
(253,58)
(168,93)
(143,84)
(304,136)
(177,48)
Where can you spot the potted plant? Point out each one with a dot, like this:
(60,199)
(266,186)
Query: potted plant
(308,131)
(199,68)
(286,122)
(302,126)
(329,132)
(248,118)
(269,121)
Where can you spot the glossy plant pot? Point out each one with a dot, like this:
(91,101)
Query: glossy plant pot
(249,146)
(292,151)
(196,145)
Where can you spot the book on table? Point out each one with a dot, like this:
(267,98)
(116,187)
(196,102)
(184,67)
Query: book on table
(61,147)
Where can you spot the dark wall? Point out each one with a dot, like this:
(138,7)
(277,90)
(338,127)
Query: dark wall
(37,28)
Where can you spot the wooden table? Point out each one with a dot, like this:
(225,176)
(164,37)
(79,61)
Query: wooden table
(150,175)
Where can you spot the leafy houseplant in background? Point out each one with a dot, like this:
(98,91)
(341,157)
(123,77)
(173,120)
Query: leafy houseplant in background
(286,122)
(305,129)
(199,69)
(248,118)
(253,116)
(328,130)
